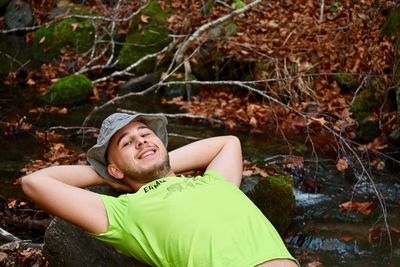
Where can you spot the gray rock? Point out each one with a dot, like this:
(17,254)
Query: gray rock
(69,246)
(18,14)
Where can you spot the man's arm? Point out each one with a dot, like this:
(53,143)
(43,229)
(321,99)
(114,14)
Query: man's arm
(222,154)
(58,191)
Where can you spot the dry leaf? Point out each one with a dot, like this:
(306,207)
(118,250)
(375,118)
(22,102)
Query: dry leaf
(365,208)
(342,165)
(30,82)
(11,204)
(42,39)
(346,238)
(144,18)
(74,26)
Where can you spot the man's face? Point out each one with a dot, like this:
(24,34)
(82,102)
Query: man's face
(138,153)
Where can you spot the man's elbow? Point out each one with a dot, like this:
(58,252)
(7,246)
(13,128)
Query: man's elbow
(234,140)
(28,185)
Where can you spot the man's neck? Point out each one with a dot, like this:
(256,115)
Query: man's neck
(136,185)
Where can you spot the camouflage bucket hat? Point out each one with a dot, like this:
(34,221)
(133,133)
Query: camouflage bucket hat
(96,155)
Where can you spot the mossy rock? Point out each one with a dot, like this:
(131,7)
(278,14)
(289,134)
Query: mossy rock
(72,32)
(146,38)
(69,90)
(367,101)
(273,195)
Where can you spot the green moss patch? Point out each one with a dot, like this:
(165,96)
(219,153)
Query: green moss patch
(69,90)
(77,34)
(274,196)
(146,38)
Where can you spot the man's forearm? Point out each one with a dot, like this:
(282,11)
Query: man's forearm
(197,155)
(76,175)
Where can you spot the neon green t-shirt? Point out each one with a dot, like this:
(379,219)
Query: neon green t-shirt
(199,221)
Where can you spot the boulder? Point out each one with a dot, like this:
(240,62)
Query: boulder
(146,37)
(18,14)
(69,246)
(74,33)
(69,90)
(273,195)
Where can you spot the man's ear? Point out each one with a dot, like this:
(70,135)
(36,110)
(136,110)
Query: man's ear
(115,172)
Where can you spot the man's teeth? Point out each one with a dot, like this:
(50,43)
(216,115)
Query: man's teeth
(147,154)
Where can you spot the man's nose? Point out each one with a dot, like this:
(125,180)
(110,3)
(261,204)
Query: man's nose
(140,141)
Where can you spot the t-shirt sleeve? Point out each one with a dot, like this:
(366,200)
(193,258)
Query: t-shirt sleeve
(115,211)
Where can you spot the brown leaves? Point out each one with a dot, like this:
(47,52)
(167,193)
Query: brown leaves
(236,111)
(13,128)
(365,208)
(375,233)
(342,165)
(56,154)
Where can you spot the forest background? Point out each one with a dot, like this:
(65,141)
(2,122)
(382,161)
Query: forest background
(325,70)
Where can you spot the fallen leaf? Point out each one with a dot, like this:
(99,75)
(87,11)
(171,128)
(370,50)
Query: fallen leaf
(42,39)
(74,26)
(346,238)
(342,165)
(144,18)
(30,82)
(11,204)
(365,208)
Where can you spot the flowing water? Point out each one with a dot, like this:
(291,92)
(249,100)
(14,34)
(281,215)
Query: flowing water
(319,231)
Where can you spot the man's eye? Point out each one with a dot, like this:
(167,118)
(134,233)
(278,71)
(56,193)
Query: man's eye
(126,143)
(145,134)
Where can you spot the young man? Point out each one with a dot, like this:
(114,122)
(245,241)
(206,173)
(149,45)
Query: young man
(168,221)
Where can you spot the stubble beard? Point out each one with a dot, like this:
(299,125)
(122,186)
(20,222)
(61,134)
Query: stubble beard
(159,170)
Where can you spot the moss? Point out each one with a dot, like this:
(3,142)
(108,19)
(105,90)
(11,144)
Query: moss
(77,34)
(274,196)
(346,79)
(146,38)
(370,98)
(392,24)
(69,90)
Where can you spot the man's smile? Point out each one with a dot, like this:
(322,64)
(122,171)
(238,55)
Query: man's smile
(147,152)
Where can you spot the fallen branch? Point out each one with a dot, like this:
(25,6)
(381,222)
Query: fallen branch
(179,116)
(134,65)
(21,244)
(8,236)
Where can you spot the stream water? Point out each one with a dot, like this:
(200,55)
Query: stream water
(319,231)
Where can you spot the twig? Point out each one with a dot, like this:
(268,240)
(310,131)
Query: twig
(179,116)
(137,63)
(21,244)
(184,136)
(321,11)
(8,236)
(358,89)
(185,46)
